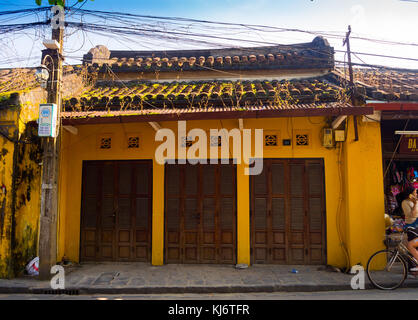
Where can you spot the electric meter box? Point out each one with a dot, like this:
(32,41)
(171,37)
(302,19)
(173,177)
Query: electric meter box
(327,138)
(47,123)
(339,135)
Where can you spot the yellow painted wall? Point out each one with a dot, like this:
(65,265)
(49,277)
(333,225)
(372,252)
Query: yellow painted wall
(84,146)
(27,205)
(243,216)
(158,215)
(364,196)
(6,196)
(19,208)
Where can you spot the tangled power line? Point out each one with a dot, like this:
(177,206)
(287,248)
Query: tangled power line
(145,30)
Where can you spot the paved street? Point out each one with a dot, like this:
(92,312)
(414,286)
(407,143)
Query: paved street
(400,294)
(142,278)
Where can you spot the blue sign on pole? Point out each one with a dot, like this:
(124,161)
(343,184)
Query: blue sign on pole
(47,125)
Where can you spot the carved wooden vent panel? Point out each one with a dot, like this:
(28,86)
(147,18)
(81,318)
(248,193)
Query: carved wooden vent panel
(270,140)
(133,142)
(106,143)
(302,140)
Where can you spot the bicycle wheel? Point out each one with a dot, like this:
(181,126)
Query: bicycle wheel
(386,270)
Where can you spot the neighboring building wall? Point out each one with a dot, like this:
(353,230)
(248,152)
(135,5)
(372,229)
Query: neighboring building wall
(20,174)
(28,175)
(7,154)
(360,213)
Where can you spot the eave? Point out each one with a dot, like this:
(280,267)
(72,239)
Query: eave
(396,110)
(152,115)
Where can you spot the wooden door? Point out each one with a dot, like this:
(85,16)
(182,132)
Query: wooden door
(288,213)
(200,214)
(116,211)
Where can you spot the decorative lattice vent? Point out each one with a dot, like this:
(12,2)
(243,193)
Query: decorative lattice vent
(133,142)
(302,140)
(105,143)
(270,140)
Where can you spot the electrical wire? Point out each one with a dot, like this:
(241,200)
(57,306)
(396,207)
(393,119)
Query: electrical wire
(378,55)
(394,151)
(335,34)
(159,31)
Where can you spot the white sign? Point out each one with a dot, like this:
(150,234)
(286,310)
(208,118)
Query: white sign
(47,126)
(58,19)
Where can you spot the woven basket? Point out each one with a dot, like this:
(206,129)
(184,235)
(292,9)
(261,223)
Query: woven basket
(393,239)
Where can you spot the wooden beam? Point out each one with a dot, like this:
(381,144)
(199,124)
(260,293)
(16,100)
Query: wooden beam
(336,123)
(394,106)
(375,117)
(119,118)
(71,129)
(399,115)
(156,126)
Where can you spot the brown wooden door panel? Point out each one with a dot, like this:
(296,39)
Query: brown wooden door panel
(287,212)
(200,214)
(116,211)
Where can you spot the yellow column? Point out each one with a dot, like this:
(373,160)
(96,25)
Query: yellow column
(364,192)
(243,215)
(158,214)
(62,194)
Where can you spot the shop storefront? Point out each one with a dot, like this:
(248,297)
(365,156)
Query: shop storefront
(400,160)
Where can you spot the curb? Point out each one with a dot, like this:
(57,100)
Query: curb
(181,290)
(172,290)
(92,290)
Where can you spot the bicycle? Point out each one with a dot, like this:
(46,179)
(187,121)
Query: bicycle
(387,269)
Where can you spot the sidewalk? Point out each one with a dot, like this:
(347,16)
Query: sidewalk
(142,278)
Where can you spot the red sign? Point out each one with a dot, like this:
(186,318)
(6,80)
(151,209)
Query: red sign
(409,144)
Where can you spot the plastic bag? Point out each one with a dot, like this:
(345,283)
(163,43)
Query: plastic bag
(32,268)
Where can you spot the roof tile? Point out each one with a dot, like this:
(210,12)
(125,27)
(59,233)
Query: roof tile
(140,95)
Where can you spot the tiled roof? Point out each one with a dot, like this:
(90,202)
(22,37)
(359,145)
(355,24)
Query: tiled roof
(12,80)
(203,94)
(386,85)
(316,54)
(19,79)
(175,114)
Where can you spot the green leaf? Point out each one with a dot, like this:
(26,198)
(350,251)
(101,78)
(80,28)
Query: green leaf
(53,2)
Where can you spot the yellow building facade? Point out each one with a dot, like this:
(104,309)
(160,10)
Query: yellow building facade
(311,204)
(353,182)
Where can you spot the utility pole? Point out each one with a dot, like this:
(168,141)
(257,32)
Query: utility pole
(52,58)
(350,72)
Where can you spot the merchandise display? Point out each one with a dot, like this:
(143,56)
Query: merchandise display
(401,175)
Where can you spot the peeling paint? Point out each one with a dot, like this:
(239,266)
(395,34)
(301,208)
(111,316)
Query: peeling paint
(20,174)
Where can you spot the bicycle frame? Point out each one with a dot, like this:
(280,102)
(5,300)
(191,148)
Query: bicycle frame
(392,259)
(402,251)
